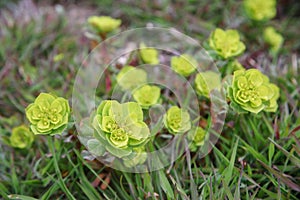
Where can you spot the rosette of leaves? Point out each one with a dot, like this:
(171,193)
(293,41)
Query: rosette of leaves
(137,157)
(273,38)
(206,82)
(196,137)
(48,114)
(260,10)
(21,137)
(146,95)
(227,43)
(148,55)
(251,91)
(120,127)
(177,120)
(184,64)
(130,77)
(104,24)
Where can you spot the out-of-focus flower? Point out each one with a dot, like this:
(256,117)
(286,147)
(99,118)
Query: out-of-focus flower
(260,10)
(104,24)
(177,120)
(48,114)
(130,77)
(120,127)
(273,38)
(227,43)
(251,91)
(196,137)
(146,95)
(184,64)
(148,55)
(21,137)
(207,81)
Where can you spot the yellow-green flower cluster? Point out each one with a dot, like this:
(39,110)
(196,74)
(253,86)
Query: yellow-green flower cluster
(251,91)
(146,95)
(259,10)
(196,137)
(148,55)
(21,137)
(227,43)
(131,77)
(184,64)
(104,24)
(48,114)
(273,38)
(206,82)
(120,127)
(177,120)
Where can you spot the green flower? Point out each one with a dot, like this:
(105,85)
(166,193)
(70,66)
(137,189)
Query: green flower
(177,120)
(196,136)
(184,65)
(104,24)
(207,81)
(227,43)
(273,38)
(120,127)
(251,91)
(138,156)
(48,114)
(130,77)
(21,137)
(260,10)
(148,55)
(146,95)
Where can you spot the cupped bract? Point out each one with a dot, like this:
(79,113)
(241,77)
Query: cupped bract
(130,78)
(148,55)
(146,95)
(252,91)
(120,127)
(177,120)
(21,137)
(48,114)
(206,82)
(104,24)
(259,10)
(196,136)
(227,43)
(184,64)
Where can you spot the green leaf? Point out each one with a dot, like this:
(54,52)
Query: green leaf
(95,147)
(166,185)
(22,197)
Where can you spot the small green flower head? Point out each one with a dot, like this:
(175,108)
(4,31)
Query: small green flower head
(130,77)
(177,120)
(21,137)
(138,156)
(120,127)
(148,55)
(48,114)
(196,136)
(260,10)
(205,82)
(104,24)
(227,43)
(146,95)
(184,65)
(252,91)
(273,38)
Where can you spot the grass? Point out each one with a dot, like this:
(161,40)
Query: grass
(256,157)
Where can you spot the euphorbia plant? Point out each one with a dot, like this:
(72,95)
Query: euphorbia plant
(48,115)
(251,91)
(177,120)
(120,127)
(21,137)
